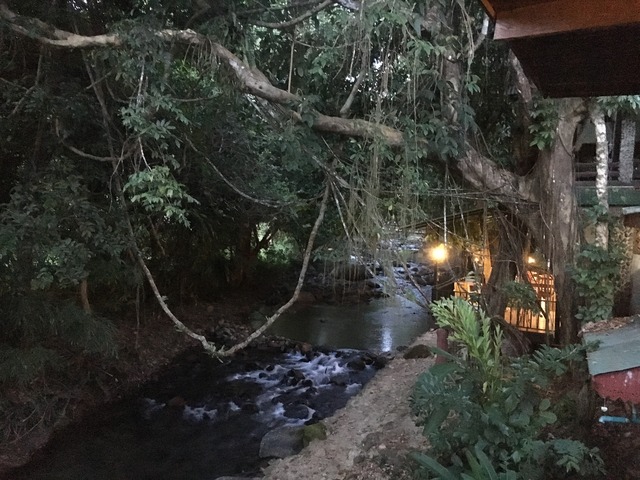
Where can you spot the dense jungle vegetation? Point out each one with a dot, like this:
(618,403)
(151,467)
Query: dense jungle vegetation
(176,149)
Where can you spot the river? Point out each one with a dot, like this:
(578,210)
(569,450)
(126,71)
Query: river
(204,419)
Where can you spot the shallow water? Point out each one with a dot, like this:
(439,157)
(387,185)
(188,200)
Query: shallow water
(381,325)
(203,419)
(222,413)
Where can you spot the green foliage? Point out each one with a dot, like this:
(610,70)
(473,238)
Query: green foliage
(52,231)
(159,193)
(21,366)
(477,405)
(52,238)
(629,104)
(37,329)
(544,116)
(521,295)
(596,274)
(473,329)
(480,467)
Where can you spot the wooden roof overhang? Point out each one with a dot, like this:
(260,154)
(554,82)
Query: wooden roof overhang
(573,48)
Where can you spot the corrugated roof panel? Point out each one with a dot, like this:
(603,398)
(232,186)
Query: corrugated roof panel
(619,348)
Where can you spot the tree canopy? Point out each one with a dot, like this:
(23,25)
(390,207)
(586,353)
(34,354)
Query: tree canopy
(179,139)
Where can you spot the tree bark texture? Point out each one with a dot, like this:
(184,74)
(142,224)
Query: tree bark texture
(557,232)
(627,150)
(507,261)
(602,175)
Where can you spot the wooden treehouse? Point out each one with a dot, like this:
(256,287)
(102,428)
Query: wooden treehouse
(573,48)
(471,267)
(541,321)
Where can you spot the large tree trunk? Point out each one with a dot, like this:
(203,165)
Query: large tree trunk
(507,261)
(557,223)
(545,202)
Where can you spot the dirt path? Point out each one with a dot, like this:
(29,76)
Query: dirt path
(369,438)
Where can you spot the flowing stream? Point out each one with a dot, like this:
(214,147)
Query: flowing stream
(204,419)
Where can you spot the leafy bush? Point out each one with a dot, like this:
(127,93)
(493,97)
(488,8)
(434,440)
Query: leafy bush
(596,274)
(479,412)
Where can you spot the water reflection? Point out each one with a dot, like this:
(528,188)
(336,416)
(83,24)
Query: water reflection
(380,325)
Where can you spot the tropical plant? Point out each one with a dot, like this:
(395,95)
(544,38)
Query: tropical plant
(491,411)
(596,274)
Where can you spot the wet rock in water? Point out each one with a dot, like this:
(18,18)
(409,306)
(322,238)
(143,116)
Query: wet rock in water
(297,411)
(295,376)
(373,284)
(305,348)
(306,298)
(340,379)
(417,351)
(381,361)
(357,364)
(281,442)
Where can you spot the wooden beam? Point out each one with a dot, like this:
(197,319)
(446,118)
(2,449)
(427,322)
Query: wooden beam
(489,8)
(562,16)
(583,64)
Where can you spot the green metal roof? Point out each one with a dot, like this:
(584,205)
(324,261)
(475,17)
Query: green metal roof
(621,196)
(619,348)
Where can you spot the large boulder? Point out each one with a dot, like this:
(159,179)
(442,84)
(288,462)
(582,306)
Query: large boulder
(282,442)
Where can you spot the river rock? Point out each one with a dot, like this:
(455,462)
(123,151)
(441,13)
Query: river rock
(297,410)
(417,351)
(357,364)
(177,402)
(282,442)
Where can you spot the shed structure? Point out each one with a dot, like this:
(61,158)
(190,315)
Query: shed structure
(615,364)
(573,48)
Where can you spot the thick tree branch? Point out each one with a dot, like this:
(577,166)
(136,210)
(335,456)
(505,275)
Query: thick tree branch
(483,174)
(298,19)
(476,168)
(253,81)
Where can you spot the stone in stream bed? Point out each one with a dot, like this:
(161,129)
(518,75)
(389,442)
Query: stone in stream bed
(281,442)
(417,351)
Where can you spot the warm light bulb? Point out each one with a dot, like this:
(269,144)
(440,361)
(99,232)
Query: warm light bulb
(531,260)
(439,253)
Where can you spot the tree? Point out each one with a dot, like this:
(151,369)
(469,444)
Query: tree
(390,88)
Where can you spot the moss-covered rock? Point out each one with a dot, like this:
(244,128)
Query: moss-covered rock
(317,431)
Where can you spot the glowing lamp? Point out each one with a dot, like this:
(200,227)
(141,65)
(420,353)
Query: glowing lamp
(439,253)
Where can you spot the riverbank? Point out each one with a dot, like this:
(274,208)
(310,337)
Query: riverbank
(370,438)
(89,383)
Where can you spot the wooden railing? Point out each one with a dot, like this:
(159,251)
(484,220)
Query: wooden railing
(586,171)
(524,319)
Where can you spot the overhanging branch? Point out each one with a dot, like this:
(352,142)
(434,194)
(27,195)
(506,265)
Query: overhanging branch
(479,170)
